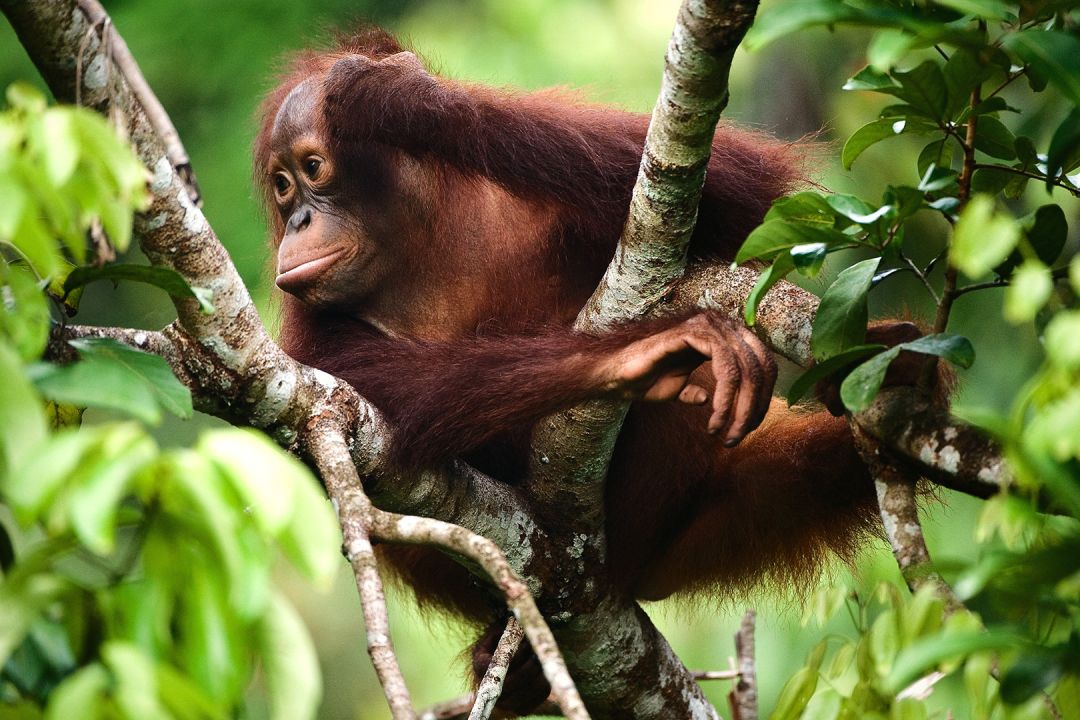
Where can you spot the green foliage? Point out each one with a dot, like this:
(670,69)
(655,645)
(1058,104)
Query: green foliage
(969,76)
(137,583)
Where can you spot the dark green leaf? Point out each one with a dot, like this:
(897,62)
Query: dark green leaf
(1046,230)
(990,181)
(822,370)
(807,207)
(964,72)
(24,594)
(862,385)
(935,179)
(1031,673)
(773,274)
(924,87)
(1026,153)
(994,139)
(870,79)
(938,153)
(778,236)
(1064,152)
(1054,55)
(875,132)
(986,9)
(842,314)
(168,280)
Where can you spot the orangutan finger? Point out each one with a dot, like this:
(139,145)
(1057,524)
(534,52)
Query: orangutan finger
(747,401)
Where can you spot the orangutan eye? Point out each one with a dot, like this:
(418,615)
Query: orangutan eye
(311,167)
(281,183)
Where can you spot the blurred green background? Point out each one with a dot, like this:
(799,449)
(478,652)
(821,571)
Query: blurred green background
(210,63)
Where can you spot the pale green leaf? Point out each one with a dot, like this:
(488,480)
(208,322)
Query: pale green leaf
(290,662)
(983,237)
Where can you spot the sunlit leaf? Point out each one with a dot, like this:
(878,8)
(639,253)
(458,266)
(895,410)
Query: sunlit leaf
(923,655)
(136,681)
(80,695)
(290,663)
(983,237)
(22,425)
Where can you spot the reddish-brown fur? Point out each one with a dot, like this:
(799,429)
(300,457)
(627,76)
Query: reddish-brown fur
(550,180)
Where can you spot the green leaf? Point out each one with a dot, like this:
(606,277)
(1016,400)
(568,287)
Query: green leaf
(24,594)
(796,694)
(312,539)
(1055,55)
(923,655)
(805,207)
(924,87)
(888,46)
(260,472)
(61,148)
(773,274)
(103,482)
(183,699)
(983,238)
(1062,340)
(168,280)
(841,318)
(24,313)
(113,375)
(809,258)
(964,71)
(290,663)
(873,80)
(22,424)
(780,21)
(822,370)
(1046,230)
(884,641)
(862,385)
(936,179)
(1031,673)
(778,236)
(80,695)
(994,139)
(876,131)
(986,9)
(136,689)
(210,643)
(938,153)
(1064,152)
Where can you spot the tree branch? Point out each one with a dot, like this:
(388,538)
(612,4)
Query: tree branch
(491,685)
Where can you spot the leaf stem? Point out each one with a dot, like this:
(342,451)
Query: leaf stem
(1028,173)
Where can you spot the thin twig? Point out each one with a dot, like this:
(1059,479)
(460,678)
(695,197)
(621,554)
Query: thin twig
(331,457)
(360,519)
(159,119)
(487,693)
(1057,182)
